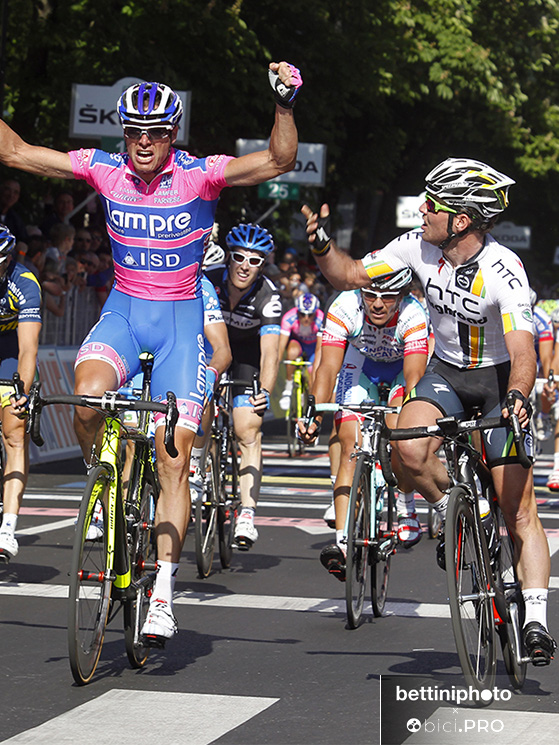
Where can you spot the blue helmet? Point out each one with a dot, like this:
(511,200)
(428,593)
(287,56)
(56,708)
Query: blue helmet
(7,243)
(307,304)
(250,236)
(145,104)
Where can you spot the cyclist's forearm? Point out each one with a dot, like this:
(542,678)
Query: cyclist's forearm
(221,359)
(269,361)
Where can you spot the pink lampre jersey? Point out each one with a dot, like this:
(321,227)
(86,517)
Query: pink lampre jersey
(157,230)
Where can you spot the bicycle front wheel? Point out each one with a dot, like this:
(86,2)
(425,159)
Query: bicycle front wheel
(383,547)
(510,633)
(143,566)
(91,579)
(229,501)
(358,534)
(206,517)
(470,593)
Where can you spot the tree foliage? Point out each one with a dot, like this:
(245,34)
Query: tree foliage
(391,86)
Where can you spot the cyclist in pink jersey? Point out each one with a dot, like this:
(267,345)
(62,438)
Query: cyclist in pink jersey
(479,304)
(299,330)
(159,206)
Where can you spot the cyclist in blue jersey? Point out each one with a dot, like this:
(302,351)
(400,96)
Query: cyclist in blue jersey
(20,325)
(251,308)
(159,205)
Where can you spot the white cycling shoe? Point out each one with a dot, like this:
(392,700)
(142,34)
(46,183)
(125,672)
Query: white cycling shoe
(245,534)
(96,528)
(196,486)
(159,625)
(8,545)
(329,516)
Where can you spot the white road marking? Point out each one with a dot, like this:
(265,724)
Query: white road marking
(255,602)
(193,718)
(46,527)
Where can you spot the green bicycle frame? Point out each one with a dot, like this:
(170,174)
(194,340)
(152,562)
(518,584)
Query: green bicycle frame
(117,560)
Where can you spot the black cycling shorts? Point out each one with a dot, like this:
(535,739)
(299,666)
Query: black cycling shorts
(459,392)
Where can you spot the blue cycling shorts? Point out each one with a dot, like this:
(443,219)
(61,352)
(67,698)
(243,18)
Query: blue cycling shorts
(172,330)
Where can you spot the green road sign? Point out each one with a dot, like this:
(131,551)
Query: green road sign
(277,190)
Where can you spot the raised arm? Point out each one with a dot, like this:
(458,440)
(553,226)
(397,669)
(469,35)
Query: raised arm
(343,272)
(42,161)
(281,154)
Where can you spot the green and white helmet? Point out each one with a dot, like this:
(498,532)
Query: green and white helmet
(469,185)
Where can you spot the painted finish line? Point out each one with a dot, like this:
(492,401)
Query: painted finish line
(408,609)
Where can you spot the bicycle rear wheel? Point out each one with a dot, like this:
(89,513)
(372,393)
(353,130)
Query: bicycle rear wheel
(143,565)
(206,517)
(382,548)
(510,633)
(358,534)
(91,581)
(228,476)
(469,591)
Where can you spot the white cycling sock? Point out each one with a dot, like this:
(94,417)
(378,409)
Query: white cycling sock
(195,455)
(339,538)
(535,602)
(333,479)
(165,580)
(288,386)
(9,522)
(556,461)
(441,505)
(405,503)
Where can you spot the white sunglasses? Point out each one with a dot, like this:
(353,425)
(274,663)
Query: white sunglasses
(240,258)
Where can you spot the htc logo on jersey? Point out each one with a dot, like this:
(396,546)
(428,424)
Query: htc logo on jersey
(462,307)
(156,226)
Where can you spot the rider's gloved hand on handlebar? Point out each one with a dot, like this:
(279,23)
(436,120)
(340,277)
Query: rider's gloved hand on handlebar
(20,404)
(260,401)
(520,405)
(306,432)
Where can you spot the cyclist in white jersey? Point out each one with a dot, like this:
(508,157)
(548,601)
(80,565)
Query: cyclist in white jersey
(373,337)
(479,304)
(159,205)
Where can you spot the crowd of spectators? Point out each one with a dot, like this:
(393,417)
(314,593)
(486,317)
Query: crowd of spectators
(294,276)
(66,258)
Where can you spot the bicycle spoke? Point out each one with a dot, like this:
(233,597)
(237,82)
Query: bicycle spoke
(143,558)
(358,534)
(90,581)
(470,594)
(206,517)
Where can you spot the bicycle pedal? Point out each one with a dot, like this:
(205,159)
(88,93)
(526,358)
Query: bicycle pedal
(242,544)
(153,641)
(5,557)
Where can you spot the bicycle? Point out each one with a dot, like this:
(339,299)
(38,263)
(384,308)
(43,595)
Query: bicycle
(484,592)
(217,512)
(118,560)
(370,530)
(297,405)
